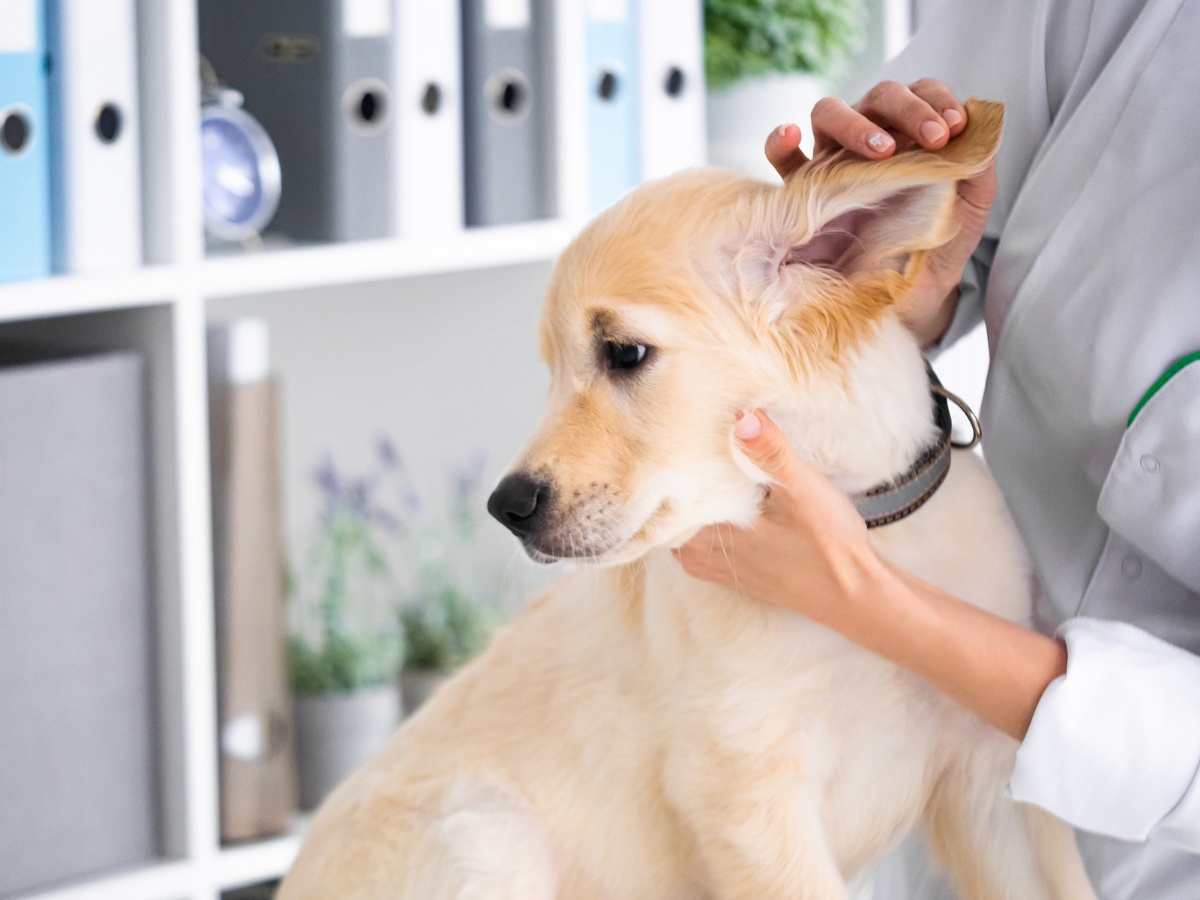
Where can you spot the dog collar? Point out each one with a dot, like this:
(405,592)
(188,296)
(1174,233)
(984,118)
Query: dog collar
(904,495)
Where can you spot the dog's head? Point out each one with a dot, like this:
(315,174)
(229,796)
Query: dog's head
(704,295)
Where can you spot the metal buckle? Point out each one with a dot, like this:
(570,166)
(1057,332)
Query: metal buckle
(976,430)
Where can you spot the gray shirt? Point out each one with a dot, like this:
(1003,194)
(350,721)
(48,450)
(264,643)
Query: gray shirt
(1088,278)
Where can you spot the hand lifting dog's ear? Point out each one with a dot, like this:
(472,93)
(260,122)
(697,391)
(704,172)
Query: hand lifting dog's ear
(843,225)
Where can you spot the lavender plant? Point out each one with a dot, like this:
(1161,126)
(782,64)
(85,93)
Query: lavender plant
(345,631)
(454,609)
(377,542)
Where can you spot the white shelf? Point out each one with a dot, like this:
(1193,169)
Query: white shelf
(283,267)
(321,265)
(161,311)
(152,882)
(71,294)
(246,864)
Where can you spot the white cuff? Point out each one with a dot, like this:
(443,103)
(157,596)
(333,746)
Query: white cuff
(1114,745)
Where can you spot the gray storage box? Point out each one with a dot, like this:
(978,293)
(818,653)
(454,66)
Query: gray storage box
(77,760)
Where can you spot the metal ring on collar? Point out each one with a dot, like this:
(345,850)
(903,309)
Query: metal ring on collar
(976,430)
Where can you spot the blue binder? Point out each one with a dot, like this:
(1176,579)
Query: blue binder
(24,156)
(614,138)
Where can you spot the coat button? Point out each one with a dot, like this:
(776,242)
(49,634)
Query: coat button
(1150,463)
(1131,566)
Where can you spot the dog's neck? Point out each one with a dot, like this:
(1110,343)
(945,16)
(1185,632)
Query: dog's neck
(864,422)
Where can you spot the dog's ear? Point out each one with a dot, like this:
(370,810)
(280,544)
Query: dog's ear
(877,219)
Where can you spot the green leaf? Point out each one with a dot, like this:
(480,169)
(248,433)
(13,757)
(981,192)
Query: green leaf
(744,38)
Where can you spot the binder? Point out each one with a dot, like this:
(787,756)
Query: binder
(257,760)
(78,789)
(94,158)
(318,75)
(24,148)
(428,133)
(672,95)
(506,110)
(614,133)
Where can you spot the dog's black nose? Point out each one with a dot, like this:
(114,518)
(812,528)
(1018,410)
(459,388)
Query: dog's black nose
(519,502)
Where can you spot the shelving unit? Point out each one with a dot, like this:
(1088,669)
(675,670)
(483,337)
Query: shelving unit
(161,310)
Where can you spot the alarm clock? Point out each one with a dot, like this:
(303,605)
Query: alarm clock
(241,174)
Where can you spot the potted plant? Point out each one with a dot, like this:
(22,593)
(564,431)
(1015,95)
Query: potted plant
(765,62)
(453,610)
(346,646)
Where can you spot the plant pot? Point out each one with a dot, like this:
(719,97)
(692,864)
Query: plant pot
(742,115)
(418,685)
(337,733)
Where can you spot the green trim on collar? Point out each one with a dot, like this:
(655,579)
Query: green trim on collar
(1157,386)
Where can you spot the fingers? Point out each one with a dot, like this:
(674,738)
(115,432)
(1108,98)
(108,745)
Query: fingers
(709,555)
(837,125)
(783,150)
(804,494)
(941,99)
(926,113)
(764,444)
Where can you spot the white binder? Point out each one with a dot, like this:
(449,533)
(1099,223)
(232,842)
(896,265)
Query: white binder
(428,135)
(96,203)
(672,86)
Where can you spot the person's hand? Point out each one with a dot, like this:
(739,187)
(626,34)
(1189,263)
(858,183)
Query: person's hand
(808,552)
(927,114)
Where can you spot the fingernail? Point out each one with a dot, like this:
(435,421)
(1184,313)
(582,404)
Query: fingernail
(951,116)
(879,141)
(781,131)
(748,427)
(930,131)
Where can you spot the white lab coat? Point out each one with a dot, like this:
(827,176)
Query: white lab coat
(1088,278)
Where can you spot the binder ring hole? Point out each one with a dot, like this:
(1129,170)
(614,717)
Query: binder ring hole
(608,86)
(108,123)
(431,100)
(510,94)
(369,105)
(676,81)
(366,103)
(16,130)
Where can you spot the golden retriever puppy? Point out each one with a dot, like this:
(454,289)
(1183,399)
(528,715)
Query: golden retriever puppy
(636,733)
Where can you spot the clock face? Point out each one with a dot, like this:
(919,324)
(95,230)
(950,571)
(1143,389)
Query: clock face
(233,188)
(240,171)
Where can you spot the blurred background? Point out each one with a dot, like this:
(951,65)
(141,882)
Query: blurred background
(270,273)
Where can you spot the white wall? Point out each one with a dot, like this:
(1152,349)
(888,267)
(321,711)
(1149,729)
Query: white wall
(446,366)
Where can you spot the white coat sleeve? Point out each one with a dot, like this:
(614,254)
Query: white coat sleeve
(1114,747)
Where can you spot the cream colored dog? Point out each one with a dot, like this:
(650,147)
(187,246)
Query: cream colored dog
(636,733)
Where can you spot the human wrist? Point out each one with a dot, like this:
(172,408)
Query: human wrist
(860,577)
(932,327)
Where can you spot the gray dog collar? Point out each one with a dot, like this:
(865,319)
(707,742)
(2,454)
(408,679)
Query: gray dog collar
(904,495)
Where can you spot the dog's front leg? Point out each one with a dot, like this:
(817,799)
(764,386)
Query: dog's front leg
(756,826)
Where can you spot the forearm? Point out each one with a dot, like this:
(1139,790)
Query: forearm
(993,667)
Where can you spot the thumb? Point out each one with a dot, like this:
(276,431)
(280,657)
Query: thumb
(764,444)
(783,150)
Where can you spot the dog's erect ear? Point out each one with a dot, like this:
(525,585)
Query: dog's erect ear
(853,215)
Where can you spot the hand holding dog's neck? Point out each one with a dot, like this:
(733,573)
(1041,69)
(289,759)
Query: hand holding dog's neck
(860,438)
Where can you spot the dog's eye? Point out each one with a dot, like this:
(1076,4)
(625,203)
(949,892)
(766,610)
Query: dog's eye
(624,356)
